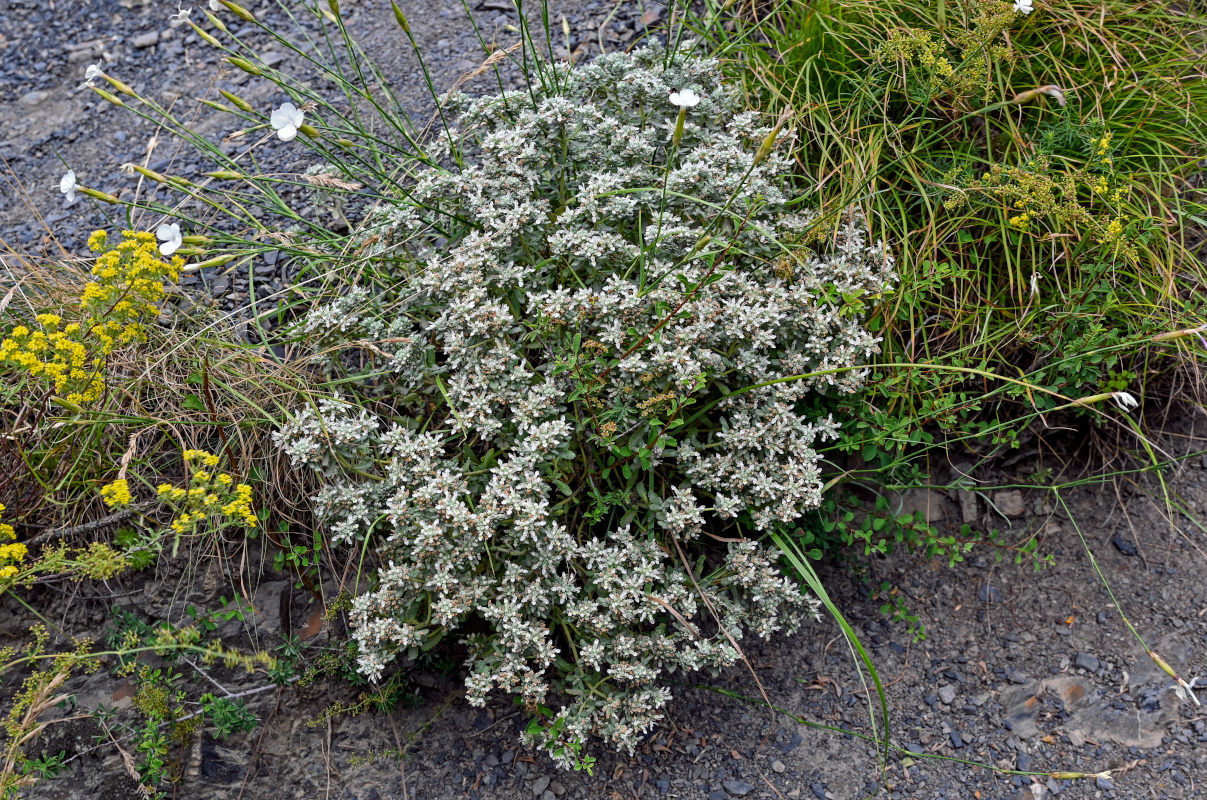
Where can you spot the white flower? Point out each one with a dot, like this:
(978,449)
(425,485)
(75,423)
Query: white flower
(92,73)
(686,98)
(169,234)
(67,186)
(1185,690)
(180,17)
(286,120)
(1024,6)
(216,6)
(1125,400)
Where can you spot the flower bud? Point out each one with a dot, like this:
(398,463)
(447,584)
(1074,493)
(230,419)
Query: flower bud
(103,196)
(245,65)
(112,98)
(238,10)
(120,86)
(238,101)
(401,18)
(150,173)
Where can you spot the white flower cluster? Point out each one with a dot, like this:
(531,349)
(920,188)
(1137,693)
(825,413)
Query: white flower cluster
(601,337)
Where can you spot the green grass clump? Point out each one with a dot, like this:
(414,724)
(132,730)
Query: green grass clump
(1032,172)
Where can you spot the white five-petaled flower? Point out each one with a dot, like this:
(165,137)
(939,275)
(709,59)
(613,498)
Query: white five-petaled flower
(685,98)
(180,17)
(1125,400)
(169,234)
(1024,6)
(286,120)
(67,186)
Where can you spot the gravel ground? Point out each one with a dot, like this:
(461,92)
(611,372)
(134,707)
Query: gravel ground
(52,124)
(1022,669)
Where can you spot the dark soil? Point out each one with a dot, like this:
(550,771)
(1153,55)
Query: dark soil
(1022,669)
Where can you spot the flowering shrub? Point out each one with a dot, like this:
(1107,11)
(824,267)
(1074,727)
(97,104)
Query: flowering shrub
(586,350)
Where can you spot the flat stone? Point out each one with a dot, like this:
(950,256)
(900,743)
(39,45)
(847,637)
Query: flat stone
(540,785)
(1010,502)
(947,694)
(35,97)
(145,40)
(736,788)
(1086,661)
(778,766)
(1015,676)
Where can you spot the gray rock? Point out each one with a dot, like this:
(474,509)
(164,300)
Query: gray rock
(923,504)
(989,594)
(947,694)
(1125,545)
(737,788)
(1015,676)
(145,40)
(778,766)
(1010,502)
(35,97)
(540,785)
(1087,662)
(968,506)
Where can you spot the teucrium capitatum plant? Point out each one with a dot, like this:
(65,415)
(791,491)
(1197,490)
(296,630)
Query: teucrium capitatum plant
(549,340)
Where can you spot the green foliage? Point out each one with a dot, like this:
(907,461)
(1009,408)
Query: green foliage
(1046,229)
(228,715)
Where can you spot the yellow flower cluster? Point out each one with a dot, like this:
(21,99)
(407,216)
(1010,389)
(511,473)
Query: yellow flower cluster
(1022,221)
(11,553)
(116,494)
(1038,195)
(129,286)
(964,75)
(58,354)
(209,494)
(130,281)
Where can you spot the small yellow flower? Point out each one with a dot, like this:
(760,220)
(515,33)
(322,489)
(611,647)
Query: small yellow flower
(116,494)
